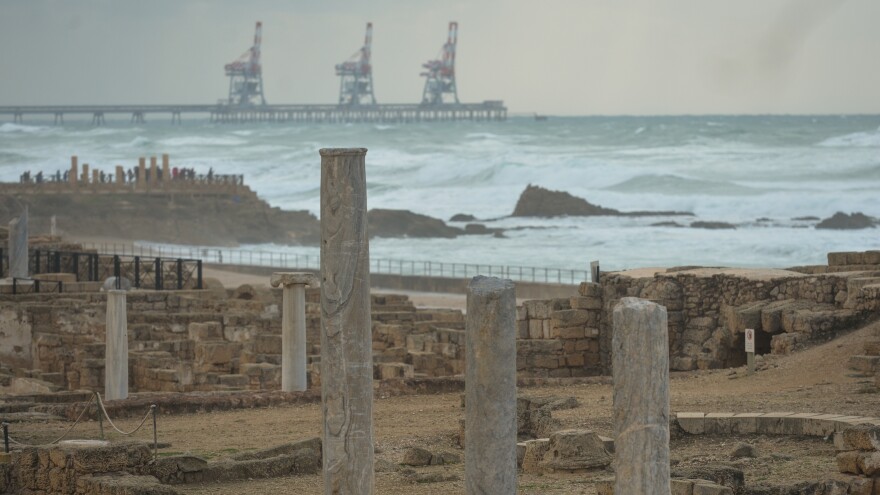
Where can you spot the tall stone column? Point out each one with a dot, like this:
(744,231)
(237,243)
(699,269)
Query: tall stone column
(346,337)
(293,327)
(141,172)
(640,357)
(85,173)
(17,243)
(490,387)
(116,355)
(120,175)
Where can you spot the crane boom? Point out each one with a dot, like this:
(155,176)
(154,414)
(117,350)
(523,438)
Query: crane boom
(246,75)
(440,73)
(356,75)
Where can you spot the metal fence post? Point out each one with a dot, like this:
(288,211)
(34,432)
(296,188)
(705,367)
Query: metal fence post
(137,271)
(199,274)
(179,274)
(158,274)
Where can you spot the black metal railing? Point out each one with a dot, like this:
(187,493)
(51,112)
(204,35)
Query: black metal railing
(144,272)
(34,286)
(289,260)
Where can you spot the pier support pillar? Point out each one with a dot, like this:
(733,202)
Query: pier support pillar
(346,336)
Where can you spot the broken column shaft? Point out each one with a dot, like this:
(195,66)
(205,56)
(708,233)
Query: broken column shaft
(346,337)
(640,357)
(490,387)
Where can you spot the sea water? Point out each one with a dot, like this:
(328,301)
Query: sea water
(759,173)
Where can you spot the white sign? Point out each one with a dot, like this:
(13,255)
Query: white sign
(750,340)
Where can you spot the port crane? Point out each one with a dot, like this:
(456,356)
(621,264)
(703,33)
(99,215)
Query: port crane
(356,75)
(440,72)
(246,75)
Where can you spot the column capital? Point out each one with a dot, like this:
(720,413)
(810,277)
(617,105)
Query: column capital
(293,278)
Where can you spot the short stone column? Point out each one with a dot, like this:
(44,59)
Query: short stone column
(74,171)
(154,171)
(142,171)
(85,173)
(490,387)
(640,360)
(166,168)
(17,243)
(293,327)
(116,355)
(346,336)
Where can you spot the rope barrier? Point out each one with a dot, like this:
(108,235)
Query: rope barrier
(102,414)
(53,442)
(101,403)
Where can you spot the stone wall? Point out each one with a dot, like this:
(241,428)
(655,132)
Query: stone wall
(560,337)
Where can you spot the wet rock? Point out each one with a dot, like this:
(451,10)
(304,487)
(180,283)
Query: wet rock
(712,225)
(464,217)
(536,201)
(842,221)
(666,224)
(404,223)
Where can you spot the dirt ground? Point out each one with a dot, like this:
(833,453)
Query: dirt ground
(813,380)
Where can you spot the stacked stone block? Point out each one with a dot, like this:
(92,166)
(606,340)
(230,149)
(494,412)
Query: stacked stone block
(560,337)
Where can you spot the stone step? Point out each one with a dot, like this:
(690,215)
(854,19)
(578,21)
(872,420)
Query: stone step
(865,364)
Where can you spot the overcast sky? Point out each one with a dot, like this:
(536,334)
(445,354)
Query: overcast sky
(552,56)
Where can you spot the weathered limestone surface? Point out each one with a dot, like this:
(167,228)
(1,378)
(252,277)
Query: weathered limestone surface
(640,356)
(116,368)
(346,336)
(18,246)
(294,377)
(490,387)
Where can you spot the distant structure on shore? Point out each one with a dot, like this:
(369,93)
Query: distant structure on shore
(246,101)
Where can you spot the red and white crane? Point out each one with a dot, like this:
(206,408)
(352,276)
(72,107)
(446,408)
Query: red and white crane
(441,72)
(356,75)
(246,75)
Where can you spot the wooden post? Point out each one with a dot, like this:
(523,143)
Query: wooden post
(346,337)
(640,356)
(490,387)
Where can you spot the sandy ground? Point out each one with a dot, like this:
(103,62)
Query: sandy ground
(814,380)
(420,299)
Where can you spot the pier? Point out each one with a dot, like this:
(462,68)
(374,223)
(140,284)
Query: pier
(493,110)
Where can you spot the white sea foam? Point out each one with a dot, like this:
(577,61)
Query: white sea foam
(739,170)
(855,139)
